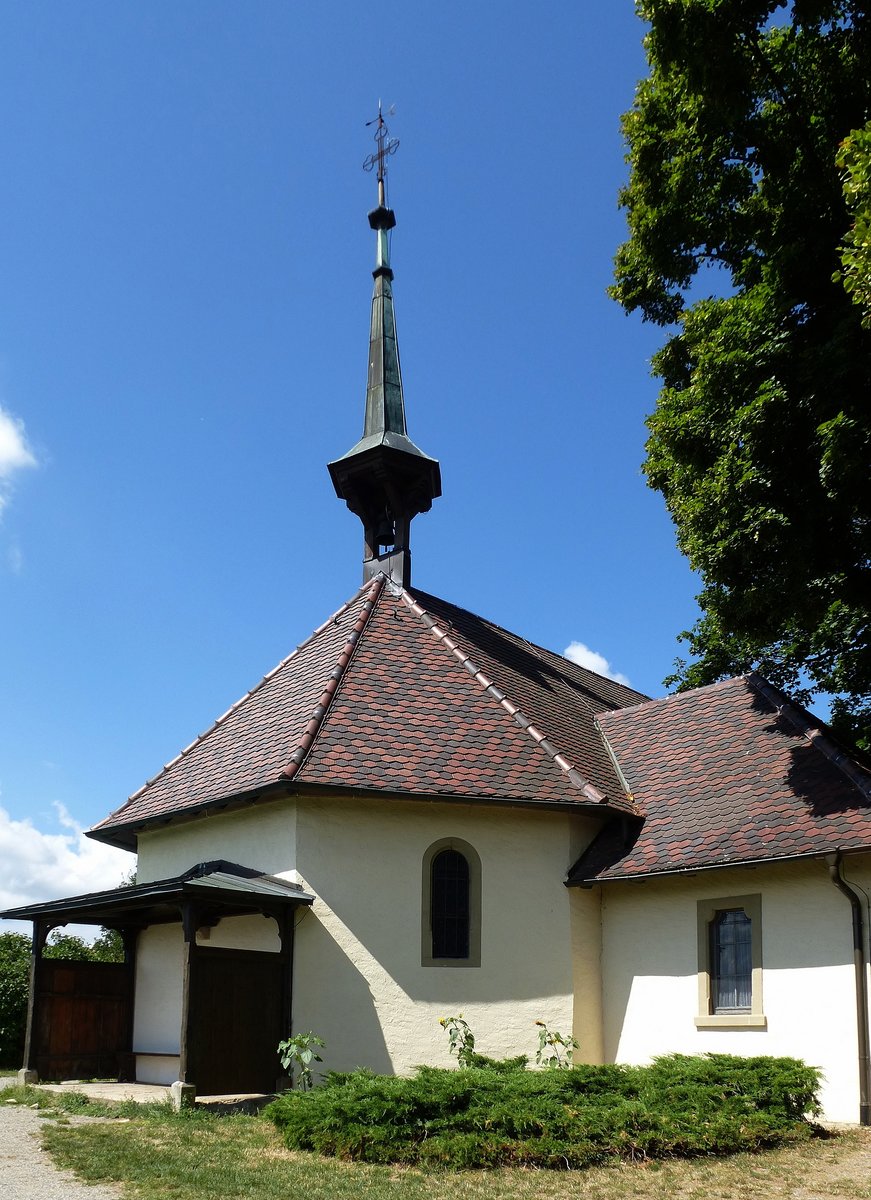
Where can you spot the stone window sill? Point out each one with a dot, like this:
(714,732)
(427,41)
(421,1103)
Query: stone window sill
(732,1021)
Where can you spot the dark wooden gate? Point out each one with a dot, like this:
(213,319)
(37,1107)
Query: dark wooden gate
(237,1007)
(84,1019)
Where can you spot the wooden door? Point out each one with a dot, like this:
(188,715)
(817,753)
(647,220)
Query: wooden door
(236,1014)
(83,1019)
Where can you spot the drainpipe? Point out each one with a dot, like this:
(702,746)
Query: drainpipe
(861,988)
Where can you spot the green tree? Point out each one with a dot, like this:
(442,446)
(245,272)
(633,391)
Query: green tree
(14,984)
(761,438)
(855,163)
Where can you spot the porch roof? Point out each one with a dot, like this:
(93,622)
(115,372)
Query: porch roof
(223,887)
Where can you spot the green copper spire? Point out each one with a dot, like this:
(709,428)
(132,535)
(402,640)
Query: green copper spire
(385,478)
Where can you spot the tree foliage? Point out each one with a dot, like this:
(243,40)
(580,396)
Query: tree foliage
(14,983)
(855,163)
(749,149)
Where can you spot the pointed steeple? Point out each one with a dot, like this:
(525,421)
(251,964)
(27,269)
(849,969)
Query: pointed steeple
(385,479)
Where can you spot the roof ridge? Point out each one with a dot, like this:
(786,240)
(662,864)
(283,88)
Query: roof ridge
(242,699)
(673,697)
(489,687)
(819,738)
(320,709)
(537,649)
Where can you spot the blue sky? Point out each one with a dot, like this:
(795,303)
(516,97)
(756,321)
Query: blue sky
(185,264)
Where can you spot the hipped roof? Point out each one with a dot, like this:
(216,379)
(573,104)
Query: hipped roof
(728,774)
(400,693)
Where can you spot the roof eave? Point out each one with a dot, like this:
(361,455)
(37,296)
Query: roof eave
(724,865)
(124,835)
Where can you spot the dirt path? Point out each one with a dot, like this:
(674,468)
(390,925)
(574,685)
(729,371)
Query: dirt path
(27,1172)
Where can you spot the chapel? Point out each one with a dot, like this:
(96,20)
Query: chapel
(418,812)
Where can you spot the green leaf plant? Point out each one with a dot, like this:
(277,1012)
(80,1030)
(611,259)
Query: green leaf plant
(297,1054)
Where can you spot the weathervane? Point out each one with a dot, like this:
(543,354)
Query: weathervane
(386,145)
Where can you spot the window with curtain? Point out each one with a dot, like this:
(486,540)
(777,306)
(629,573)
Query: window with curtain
(731,962)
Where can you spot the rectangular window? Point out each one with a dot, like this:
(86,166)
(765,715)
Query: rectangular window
(730,963)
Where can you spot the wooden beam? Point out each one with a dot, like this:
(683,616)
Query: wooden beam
(41,930)
(187,1040)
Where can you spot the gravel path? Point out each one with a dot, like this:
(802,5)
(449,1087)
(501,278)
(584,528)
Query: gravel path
(27,1172)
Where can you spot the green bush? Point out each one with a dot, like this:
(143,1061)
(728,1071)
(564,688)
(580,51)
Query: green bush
(483,1117)
(14,984)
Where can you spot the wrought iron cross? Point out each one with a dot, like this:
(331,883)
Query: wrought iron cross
(385,146)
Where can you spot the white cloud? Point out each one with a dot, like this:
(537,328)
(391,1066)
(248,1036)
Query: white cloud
(35,865)
(14,451)
(15,454)
(577,652)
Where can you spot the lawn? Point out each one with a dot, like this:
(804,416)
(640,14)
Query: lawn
(158,1155)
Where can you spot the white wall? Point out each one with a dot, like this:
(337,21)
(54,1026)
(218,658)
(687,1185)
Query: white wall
(261,836)
(358,978)
(650,966)
(157,1005)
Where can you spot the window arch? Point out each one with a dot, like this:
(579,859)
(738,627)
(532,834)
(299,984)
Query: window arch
(451,908)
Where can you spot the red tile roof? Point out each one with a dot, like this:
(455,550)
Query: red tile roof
(727,774)
(401,692)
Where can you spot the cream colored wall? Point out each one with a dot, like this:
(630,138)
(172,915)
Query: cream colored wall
(242,933)
(586,932)
(157,1006)
(261,836)
(358,978)
(650,966)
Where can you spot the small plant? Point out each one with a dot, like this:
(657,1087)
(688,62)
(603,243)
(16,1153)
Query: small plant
(297,1055)
(555,1049)
(461,1040)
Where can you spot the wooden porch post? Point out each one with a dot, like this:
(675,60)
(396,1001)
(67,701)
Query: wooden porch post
(127,1059)
(28,1072)
(187,1048)
(286,928)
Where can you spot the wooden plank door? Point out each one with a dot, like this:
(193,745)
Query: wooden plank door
(237,1006)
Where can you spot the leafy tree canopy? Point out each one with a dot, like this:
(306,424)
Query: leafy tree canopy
(749,144)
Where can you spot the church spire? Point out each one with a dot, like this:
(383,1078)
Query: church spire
(385,479)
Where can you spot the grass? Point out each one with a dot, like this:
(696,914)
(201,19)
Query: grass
(156,1154)
(163,1157)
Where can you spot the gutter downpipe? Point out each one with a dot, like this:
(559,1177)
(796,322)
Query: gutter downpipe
(834,864)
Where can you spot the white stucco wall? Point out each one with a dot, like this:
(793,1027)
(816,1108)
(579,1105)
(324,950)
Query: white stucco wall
(650,971)
(261,836)
(157,1004)
(358,978)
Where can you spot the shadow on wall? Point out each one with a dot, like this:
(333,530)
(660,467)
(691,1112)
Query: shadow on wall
(525,948)
(333,999)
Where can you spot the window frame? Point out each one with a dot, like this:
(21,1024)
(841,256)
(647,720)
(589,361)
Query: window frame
(474,862)
(707,913)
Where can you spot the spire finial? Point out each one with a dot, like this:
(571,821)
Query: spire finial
(386,145)
(385,479)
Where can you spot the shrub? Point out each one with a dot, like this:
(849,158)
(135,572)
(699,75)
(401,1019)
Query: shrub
(482,1117)
(14,984)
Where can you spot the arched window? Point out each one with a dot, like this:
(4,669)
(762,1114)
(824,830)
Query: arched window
(449,905)
(451,925)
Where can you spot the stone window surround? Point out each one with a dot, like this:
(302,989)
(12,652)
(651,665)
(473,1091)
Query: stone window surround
(707,910)
(472,858)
